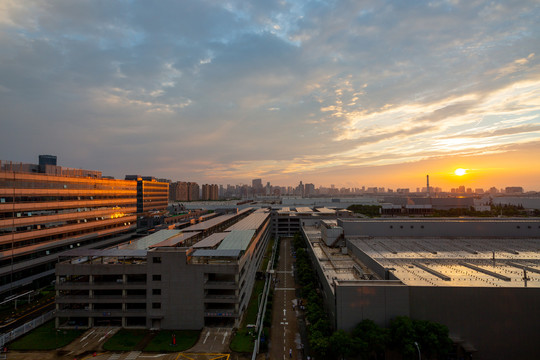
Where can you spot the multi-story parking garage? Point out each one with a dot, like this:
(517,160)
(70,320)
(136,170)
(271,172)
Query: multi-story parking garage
(173,279)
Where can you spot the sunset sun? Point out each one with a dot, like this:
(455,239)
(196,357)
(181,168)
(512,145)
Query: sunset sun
(460,172)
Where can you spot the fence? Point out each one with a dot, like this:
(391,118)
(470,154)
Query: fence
(23,329)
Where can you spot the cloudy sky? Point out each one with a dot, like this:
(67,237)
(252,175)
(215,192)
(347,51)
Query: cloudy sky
(349,93)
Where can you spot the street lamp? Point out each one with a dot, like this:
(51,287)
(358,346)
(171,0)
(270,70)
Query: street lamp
(418,348)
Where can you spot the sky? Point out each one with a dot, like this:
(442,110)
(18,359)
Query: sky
(350,93)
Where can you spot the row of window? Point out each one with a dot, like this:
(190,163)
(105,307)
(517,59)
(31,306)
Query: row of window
(10,184)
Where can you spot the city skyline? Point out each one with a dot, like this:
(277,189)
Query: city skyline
(346,93)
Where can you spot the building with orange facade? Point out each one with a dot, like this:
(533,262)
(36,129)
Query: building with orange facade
(47,209)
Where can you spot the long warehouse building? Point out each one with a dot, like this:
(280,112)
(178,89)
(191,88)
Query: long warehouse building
(479,277)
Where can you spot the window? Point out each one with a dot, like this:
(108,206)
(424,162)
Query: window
(156,305)
(156,291)
(156,277)
(156,260)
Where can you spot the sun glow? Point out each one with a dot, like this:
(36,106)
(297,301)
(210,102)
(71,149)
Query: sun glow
(460,172)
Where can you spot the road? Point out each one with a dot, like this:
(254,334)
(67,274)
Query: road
(285,337)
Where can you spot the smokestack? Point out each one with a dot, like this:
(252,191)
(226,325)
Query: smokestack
(427,177)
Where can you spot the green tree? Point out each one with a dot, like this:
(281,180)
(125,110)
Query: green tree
(368,210)
(376,338)
(403,336)
(433,338)
(340,344)
(319,344)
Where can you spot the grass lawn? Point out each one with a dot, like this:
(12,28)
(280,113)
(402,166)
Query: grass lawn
(185,339)
(252,309)
(45,337)
(267,255)
(125,340)
(242,341)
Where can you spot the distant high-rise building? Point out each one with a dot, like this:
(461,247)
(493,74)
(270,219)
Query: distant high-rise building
(514,190)
(257,186)
(193,191)
(309,189)
(210,192)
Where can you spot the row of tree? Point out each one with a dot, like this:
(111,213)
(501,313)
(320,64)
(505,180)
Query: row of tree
(367,210)
(504,210)
(367,340)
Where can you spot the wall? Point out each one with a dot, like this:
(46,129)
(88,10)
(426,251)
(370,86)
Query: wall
(501,323)
(379,301)
(442,228)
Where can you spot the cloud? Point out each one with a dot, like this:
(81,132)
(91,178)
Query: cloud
(206,90)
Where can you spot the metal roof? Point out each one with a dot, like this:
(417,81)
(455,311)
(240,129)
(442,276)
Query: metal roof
(325,210)
(147,241)
(237,240)
(205,225)
(216,253)
(176,240)
(492,262)
(251,222)
(210,241)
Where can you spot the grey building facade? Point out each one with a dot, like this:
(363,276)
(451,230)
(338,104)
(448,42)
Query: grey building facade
(169,281)
(479,277)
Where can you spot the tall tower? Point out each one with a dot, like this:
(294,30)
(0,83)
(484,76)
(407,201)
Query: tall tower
(427,178)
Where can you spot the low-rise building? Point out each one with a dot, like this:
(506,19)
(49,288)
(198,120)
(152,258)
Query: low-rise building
(479,277)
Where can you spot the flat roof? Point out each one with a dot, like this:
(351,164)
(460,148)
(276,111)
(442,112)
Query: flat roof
(325,210)
(205,225)
(251,222)
(147,241)
(443,220)
(304,209)
(211,241)
(176,240)
(237,240)
(457,262)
